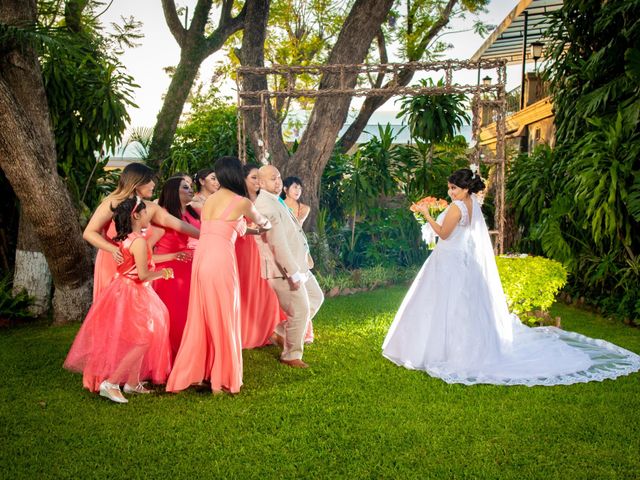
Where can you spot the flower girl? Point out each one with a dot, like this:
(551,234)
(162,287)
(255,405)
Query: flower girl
(124,338)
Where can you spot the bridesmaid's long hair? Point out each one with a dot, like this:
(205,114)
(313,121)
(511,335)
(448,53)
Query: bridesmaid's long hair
(133,176)
(230,176)
(170,198)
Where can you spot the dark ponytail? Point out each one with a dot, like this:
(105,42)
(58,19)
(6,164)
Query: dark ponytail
(465,178)
(122,216)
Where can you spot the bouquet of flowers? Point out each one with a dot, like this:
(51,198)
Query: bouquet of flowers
(435,206)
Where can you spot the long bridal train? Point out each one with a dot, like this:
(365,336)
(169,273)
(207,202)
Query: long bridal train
(454,324)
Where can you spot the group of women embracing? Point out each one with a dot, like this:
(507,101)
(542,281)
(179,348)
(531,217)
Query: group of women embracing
(177,287)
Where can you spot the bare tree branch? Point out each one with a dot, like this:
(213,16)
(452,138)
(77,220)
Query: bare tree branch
(200,17)
(371,104)
(173,21)
(227,26)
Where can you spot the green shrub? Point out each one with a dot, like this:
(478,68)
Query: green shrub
(366,278)
(13,305)
(530,284)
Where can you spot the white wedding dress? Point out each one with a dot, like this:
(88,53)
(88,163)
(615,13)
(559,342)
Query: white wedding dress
(454,324)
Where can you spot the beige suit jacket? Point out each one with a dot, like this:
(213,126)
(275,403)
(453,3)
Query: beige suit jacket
(283,249)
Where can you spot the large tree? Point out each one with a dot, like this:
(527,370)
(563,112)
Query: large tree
(423,22)
(28,159)
(196,44)
(363,27)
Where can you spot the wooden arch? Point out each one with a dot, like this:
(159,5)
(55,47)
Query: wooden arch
(490,96)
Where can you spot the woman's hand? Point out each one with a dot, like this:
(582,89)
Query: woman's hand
(117,256)
(183,256)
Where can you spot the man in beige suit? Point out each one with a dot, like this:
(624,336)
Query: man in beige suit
(286,264)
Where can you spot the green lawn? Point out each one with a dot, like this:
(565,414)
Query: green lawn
(353,414)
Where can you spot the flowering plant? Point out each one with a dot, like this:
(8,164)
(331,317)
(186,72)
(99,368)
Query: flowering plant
(434,205)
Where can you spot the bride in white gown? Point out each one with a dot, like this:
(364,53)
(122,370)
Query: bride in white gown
(454,322)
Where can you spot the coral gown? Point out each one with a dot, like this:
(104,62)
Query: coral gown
(105,266)
(260,309)
(175,292)
(211,347)
(128,314)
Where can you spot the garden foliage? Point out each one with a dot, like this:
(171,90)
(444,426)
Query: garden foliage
(580,203)
(530,283)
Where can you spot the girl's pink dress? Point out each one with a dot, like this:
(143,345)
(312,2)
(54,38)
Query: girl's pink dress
(260,310)
(211,347)
(128,314)
(175,292)
(105,266)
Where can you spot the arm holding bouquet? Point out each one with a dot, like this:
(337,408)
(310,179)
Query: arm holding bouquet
(451,219)
(425,210)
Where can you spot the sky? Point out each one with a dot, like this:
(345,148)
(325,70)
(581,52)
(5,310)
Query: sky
(158,49)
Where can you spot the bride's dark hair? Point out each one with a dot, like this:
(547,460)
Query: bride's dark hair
(464,178)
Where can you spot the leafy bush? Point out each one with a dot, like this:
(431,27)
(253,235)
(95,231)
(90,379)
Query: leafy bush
(209,132)
(366,278)
(580,202)
(530,284)
(13,305)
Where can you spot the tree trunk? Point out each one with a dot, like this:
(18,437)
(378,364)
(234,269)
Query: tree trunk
(31,270)
(28,159)
(167,121)
(371,104)
(194,48)
(329,113)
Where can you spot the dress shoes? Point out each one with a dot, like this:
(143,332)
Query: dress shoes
(139,388)
(277,340)
(295,363)
(112,392)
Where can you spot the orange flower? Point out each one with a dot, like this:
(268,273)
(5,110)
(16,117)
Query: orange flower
(433,204)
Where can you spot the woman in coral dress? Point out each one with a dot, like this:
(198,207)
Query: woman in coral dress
(172,251)
(136,180)
(260,309)
(125,337)
(211,347)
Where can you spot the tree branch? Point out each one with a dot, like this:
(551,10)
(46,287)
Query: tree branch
(227,26)
(442,21)
(173,21)
(200,16)
(73,14)
(371,104)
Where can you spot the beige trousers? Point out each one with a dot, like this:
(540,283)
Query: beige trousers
(300,307)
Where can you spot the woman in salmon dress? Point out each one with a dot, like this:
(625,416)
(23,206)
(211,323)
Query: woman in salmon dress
(136,180)
(172,251)
(125,337)
(211,347)
(260,309)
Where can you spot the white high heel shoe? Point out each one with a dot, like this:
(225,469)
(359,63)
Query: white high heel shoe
(108,390)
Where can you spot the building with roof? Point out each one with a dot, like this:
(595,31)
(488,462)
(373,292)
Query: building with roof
(520,39)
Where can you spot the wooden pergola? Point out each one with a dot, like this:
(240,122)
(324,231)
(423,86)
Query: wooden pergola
(491,96)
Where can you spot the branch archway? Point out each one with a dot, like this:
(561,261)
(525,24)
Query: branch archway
(491,97)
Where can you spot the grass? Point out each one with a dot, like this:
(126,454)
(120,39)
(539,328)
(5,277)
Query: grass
(352,415)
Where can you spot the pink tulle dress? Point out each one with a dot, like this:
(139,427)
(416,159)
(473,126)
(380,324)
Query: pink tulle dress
(260,310)
(175,292)
(211,347)
(128,314)
(105,266)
